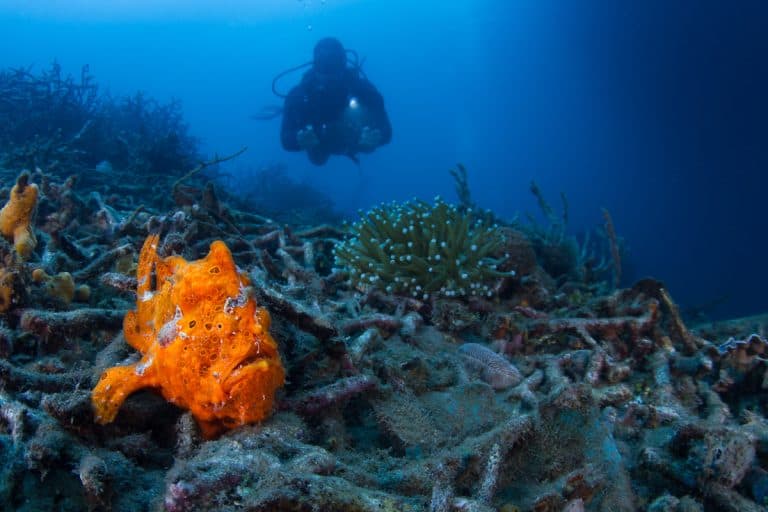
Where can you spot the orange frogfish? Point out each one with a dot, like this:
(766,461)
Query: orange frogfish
(204,342)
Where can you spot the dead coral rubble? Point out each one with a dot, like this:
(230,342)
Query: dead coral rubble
(531,401)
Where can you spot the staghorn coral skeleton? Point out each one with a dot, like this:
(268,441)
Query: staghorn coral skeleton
(205,343)
(379,399)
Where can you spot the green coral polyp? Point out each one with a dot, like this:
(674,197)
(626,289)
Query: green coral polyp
(420,250)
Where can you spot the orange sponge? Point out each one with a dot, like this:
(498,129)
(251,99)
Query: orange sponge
(204,341)
(62,286)
(16,216)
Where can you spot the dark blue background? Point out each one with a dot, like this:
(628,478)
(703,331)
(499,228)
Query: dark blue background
(654,110)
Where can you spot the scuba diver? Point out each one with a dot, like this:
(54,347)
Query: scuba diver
(334,110)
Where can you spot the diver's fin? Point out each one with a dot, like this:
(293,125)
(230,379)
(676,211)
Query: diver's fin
(354,158)
(267,112)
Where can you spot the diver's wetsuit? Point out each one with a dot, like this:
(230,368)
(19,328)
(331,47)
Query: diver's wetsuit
(337,108)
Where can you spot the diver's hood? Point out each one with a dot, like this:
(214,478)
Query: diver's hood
(329,56)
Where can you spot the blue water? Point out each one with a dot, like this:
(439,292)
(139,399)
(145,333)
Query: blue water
(656,111)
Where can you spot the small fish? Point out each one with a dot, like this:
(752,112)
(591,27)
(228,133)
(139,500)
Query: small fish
(104,167)
(494,369)
(267,112)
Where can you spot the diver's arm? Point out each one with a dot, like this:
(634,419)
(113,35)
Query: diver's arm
(293,120)
(378,118)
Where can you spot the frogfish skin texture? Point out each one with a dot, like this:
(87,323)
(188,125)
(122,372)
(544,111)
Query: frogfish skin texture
(205,343)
